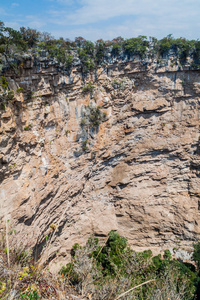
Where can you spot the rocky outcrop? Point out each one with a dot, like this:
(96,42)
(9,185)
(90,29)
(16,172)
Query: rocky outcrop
(64,176)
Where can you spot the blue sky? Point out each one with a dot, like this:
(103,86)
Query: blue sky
(107,19)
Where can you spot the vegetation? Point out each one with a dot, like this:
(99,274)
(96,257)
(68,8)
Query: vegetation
(92,116)
(84,145)
(14,44)
(136,46)
(20,277)
(107,271)
(28,127)
(10,95)
(103,271)
(20,90)
(3,82)
(89,88)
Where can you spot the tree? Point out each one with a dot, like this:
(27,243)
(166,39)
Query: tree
(136,46)
(100,50)
(165,44)
(30,36)
(196,254)
(79,41)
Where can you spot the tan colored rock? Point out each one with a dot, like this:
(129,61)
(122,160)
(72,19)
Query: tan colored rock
(139,173)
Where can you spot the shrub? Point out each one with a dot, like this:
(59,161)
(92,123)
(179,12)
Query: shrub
(116,49)
(33,295)
(89,88)
(110,269)
(27,128)
(10,95)
(100,51)
(92,117)
(84,145)
(69,61)
(196,254)
(20,90)
(3,82)
(86,61)
(2,106)
(136,46)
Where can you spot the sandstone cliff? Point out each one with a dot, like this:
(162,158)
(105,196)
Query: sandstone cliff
(65,176)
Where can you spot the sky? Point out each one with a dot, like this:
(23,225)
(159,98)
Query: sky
(106,19)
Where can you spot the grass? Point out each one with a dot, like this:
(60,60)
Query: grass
(21,276)
(108,271)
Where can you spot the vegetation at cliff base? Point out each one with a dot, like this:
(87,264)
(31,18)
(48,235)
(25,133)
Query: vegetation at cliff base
(114,271)
(108,270)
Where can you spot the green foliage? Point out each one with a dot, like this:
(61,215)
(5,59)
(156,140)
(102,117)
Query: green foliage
(181,46)
(196,53)
(85,59)
(88,47)
(2,49)
(165,44)
(167,255)
(116,49)
(92,116)
(136,46)
(29,96)
(33,295)
(114,264)
(28,127)
(2,106)
(89,88)
(196,253)
(100,51)
(92,54)
(29,36)
(3,82)
(10,95)
(20,90)
(69,61)
(84,145)
(110,258)
(95,116)
(83,122)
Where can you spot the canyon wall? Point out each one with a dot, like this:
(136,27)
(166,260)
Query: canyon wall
(119,150)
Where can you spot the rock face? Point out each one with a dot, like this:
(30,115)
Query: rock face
(136,170)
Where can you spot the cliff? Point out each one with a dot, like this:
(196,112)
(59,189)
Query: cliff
(119,150)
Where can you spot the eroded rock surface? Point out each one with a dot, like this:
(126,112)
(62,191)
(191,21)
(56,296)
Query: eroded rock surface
(136,171)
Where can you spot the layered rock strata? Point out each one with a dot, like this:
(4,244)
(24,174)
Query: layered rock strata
(65,176)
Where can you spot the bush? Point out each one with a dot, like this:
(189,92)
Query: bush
(27,128)
(10,95)
(69,61)
(113,268)
(3,82)
(136,46)
(100,51)
(20,90)
(92,117)
(84,145)
(196,254)
(33,295)
(89,88)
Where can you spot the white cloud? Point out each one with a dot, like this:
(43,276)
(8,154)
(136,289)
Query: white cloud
(14,25)
(65,2)
(35,22)
(15,4)
(94,19)
(155,18)
(99,10)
